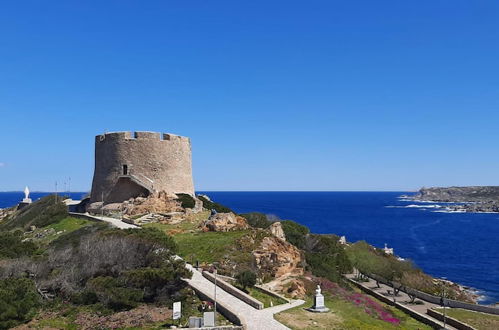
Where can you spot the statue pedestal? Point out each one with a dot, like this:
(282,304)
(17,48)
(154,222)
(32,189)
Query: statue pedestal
(27,200)
(318,306)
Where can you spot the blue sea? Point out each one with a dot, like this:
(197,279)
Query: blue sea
(461,247)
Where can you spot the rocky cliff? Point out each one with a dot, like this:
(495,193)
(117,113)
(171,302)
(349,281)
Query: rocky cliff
(470,199)
(459,194)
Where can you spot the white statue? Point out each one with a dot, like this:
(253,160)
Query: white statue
(26,196)
(318,306)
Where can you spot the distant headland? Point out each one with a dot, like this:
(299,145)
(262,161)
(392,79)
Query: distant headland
(475,199)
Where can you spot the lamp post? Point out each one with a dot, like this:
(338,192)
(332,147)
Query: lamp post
(393,286)
(443,298)
(215,308)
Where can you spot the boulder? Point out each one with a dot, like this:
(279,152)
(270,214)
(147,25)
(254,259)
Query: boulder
(276,257)
(225,222)
(158,202)
(277,231)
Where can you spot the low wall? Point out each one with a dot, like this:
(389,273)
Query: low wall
(449,320)
(232,317)
(234,291)
(418,316)
(436,299)
(271,293)
(221,327)
(83,216)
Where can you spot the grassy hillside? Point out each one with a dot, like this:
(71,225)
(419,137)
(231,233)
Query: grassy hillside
(40,213)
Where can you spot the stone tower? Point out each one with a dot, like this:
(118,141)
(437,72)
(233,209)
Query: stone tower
(136,164)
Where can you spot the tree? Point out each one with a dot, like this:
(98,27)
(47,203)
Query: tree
(257,220)
(246,279)
(296,234)
(415,280)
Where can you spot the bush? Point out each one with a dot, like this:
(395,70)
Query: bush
(257,220)
(111,292)
(149,235)
(246,279)
(158,284)
(18,301)
(186,200)
(12,246)
(326,257)
(214,206)
(296,234)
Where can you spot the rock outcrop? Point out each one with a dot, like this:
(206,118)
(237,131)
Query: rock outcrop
(277,231)
(277,257)
(459,194)
(225,222)
(160,202)
(470,199)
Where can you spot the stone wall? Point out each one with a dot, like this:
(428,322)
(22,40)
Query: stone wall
(234,291)
(450,320)
(418,316)
(146,160)
(436,299)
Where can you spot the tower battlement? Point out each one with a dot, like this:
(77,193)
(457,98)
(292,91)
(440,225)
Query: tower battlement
(127,135)
(131,164)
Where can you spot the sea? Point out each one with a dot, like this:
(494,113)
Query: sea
(461,247)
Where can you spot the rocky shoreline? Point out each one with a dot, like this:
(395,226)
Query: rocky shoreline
(474,199)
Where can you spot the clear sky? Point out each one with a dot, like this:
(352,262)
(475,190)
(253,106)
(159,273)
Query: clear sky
(275,95)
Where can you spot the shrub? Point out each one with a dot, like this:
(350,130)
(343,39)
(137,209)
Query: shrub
(186,200)
(111,292)
(85,297)
(214,206)
(18,301)
(12,246)
(149,235)
(158,284)
(295,233)
(246,279)
(257,220)
(326,257)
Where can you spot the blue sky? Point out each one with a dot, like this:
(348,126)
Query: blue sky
(275,95)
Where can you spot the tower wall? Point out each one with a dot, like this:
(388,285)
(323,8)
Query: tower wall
(153,160)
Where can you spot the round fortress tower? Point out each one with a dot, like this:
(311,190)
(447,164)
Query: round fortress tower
(136,164)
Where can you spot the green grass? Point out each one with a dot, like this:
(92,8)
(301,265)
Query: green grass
(475,319)
(69,224)
(207,247)
(66,225)
(265,298)
(343,315)
(183,226)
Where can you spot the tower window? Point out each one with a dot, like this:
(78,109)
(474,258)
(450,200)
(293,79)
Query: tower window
(125,169)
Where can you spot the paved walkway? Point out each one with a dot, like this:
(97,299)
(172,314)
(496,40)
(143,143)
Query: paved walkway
(114,222)
(251,318)
(402,298)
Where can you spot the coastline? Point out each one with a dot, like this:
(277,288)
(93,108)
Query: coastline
(490,207)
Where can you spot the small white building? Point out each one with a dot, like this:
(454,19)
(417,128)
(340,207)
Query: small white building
(388,250)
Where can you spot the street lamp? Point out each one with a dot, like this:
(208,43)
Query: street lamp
(393,286)
(215,305)
(443,298)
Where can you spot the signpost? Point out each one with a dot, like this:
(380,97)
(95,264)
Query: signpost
(177,310)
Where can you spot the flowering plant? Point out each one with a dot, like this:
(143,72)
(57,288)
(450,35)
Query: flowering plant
(370,306)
